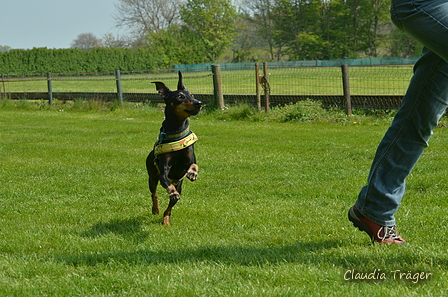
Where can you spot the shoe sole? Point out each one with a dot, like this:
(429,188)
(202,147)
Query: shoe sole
(359,224)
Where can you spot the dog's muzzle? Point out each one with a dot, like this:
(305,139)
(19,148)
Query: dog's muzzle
(197,105)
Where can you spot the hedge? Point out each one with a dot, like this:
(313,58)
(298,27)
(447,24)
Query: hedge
(42,60)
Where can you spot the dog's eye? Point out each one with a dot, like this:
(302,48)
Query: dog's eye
(181,96)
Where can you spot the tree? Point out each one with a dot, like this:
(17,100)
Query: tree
(401,44)
(86,41)
(144,16)
(248,45)
(177,45)
(377,16)
(4,48)
(110,41)
(329,29)
(200,31)
(260,14)
(295,23)
(214,22)
(367,19)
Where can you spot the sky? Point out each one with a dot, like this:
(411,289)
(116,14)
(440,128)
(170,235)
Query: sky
(27,24)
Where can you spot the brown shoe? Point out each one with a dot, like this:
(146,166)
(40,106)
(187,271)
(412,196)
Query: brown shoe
(378,233)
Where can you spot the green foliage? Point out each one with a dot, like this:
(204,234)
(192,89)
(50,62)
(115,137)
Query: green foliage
(6,104)
(401,44)
(328,29)
(177,45)
(76,60)
(61,106)
(309,46)
(313,111)
(214,22)
(240,111)
(302,111)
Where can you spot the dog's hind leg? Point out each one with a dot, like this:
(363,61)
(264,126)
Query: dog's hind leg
(155,198)
(153,180)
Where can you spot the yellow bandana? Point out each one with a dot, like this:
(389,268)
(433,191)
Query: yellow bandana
(175,145)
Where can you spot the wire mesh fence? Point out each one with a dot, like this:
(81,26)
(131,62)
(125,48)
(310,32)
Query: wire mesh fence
(370,86)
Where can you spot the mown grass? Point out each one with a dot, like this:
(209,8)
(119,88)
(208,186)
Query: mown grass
(267,216)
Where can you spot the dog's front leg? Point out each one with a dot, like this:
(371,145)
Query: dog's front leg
(174,197)
(192,173)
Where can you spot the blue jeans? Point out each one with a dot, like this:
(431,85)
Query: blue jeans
(423,105)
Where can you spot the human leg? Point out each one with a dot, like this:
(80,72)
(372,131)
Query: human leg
(424,103)
(404,142)
(424,20)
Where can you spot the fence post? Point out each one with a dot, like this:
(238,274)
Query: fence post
(119,89)
(217,86)
(267,88)
(3,83)
(346,86)
(257,85)
(50,88)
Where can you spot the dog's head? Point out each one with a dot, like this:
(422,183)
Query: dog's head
(180,102)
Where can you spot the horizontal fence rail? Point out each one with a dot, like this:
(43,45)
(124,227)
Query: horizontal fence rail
(270,84)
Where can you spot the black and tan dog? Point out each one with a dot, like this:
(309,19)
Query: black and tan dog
(173,156)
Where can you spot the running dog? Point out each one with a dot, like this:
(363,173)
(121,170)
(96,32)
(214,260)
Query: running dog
(173,158)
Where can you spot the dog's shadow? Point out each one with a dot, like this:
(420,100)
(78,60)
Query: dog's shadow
(130,229)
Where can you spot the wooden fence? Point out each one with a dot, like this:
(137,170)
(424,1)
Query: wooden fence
(263,86)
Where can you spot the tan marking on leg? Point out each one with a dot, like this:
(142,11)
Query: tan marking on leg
(155,204)
(172,192)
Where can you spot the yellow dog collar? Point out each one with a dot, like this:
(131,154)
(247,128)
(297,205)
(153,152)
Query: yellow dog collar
(178,145)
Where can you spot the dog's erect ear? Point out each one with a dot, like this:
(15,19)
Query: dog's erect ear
(180,85)
(163,90)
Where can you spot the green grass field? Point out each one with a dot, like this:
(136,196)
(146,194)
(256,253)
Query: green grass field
(389,80)
(267,216)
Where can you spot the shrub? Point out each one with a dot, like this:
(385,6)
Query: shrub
(302,111)
(242,111)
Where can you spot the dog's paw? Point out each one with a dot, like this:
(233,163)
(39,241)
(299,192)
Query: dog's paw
(192,172)
(155,210)
(174,197)
(192,175)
